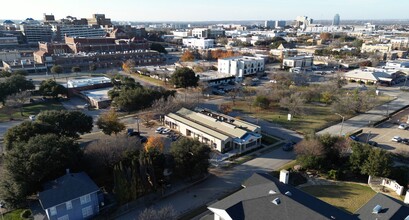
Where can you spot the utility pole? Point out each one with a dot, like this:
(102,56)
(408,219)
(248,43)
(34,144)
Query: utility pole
(342,123)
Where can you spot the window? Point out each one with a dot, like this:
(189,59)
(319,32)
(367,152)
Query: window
(65,217)
(68,205)
(85,199)
(53,211)
(87,211)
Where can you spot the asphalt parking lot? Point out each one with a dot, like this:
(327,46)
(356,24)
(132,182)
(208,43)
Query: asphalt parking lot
(383,133)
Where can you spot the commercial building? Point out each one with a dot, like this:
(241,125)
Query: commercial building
(337,20)
(303,62)
(61,31)
(373,48)
(280,24)
(283,53)
(400,43)
(99,20)
(376,75)
(269,24)
(266,197)
(220,132)
(241,66)
(200,43)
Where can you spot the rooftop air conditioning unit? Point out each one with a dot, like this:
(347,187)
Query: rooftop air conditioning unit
(377,209)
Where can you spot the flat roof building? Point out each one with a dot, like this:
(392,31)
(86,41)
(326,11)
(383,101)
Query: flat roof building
(241,66)
(219,131)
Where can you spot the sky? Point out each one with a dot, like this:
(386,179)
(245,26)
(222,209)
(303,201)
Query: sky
(206,10)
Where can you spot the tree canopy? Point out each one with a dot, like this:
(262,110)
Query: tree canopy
(57,69)
(69,123)
(158,47)
(51,88)
(110,123)
(184,78)
(187,56)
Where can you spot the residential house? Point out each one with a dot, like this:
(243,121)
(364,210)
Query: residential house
(73,196)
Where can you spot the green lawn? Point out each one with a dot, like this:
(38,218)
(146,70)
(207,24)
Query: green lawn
(347,196)
(30,109)
(13,215)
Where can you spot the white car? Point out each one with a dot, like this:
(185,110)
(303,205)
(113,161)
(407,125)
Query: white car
(32,117)
(165,131)
(396,139)
(403,126)
(159,130)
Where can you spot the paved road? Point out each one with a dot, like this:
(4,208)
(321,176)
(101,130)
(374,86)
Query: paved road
(218,184)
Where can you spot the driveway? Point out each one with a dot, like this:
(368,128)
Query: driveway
(220,183)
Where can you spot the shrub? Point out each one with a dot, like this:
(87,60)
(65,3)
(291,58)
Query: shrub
(352,80)
(333,174)
(25,214)
(369,83)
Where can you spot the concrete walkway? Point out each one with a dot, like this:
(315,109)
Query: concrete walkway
(369,118)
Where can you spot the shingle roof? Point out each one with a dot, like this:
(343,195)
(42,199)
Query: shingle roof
(66,188)
(391,208)
(255,202)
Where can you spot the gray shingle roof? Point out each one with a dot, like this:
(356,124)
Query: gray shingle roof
(391,208)
(255,202)
(66,188)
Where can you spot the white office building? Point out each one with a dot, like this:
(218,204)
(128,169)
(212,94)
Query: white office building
(200,32)
(198,43)
(219,131)
(76,31)
(241,66)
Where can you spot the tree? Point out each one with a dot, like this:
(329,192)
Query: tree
(379,163)
(51,88)
(155,143)
(360,153)
(262,101)
(92,67)
(225,108)
(158,47)
(234,93)
(110,123)
(4,73)
(184,78)
(187,56)
(165,213)
(294,104)
(191,157)
(76,69)
(20,72)
(69,123)
(325,36)
(310,153)
(18,83)
(31,164)
(128,66)
(57,69)
(17,100)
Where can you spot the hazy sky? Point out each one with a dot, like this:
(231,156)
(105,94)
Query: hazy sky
(206,10)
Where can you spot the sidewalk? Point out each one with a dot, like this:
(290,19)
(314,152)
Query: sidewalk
(368,118)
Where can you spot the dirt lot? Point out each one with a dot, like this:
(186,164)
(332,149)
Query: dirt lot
(383,133)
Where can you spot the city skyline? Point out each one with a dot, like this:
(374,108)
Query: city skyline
(228,10)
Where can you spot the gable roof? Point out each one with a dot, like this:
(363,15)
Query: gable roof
(66,188)
(391,208)
(255,202)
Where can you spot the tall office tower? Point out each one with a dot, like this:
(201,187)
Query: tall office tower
(337,20)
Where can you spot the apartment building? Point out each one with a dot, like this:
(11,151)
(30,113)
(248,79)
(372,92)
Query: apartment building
(241,66)
(60,31)
(219,131)
(35,33)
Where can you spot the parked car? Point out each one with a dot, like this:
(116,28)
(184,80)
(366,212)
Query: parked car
(288,146)
(32,117)
(405,141)
(403,126)
(159,130)
(396,139)
(165,131)
(354,138)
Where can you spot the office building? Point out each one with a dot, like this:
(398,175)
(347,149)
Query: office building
(200,43)
(280,24)
(35,33)
(302,62)
(200,32)
(219,131)
(337,20)
(269,24)
(60,31)
(241,66)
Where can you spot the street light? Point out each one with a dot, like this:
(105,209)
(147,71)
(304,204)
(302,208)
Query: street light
(342,123)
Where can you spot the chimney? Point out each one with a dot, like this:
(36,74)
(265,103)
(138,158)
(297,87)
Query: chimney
(284,175)
(406,201)
(67,171)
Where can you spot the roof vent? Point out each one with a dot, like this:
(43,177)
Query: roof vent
(276,201)
(272,192)
(377,209)
(288,193)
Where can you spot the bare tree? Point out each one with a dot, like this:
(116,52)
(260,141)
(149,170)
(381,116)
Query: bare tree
(17,100)
(294,103)
(234,93)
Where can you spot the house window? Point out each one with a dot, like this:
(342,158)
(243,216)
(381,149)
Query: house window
(87,211)
(65,217)
(68,205)
(85,199)
(53,211)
